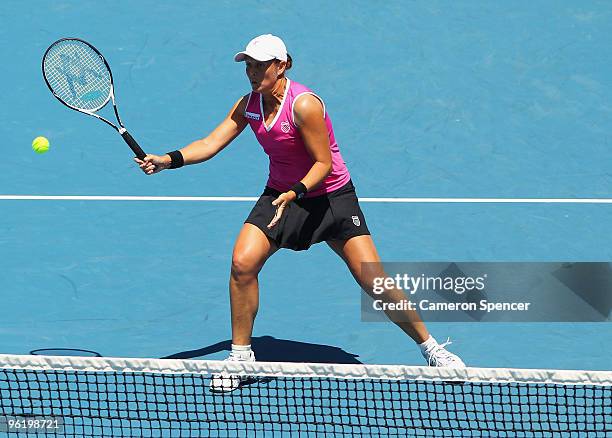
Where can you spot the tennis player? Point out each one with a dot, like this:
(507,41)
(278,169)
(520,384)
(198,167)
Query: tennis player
(309,196)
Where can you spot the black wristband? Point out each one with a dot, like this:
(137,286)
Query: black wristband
(300,189)
(177,159)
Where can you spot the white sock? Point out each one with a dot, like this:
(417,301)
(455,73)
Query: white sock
(241,351)
(428,344)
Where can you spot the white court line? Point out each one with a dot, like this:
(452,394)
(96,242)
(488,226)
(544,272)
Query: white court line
(254,198)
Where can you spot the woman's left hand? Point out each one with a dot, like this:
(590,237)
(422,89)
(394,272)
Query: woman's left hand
(281,203)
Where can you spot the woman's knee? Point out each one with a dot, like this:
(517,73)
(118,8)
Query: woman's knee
(245,264)
(251,251)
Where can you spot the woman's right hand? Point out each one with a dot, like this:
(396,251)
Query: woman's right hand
(153,163)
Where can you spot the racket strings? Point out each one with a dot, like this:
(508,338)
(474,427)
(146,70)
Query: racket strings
(77,75)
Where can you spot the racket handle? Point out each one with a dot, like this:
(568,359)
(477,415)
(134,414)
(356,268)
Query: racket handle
(133,145)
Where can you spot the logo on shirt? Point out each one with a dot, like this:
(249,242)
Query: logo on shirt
(253,116)
(356,220)
(285,127)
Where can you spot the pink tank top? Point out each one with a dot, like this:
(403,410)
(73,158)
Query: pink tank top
(289,159)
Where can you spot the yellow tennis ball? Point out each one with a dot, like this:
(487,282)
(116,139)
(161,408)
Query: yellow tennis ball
(40,145)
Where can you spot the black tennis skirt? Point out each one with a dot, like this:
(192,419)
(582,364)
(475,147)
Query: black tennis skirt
(333,216)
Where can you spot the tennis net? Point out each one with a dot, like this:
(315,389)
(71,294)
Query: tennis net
(114,397)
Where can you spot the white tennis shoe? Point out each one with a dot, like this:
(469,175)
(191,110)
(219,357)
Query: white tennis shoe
(226,382)
(438,356)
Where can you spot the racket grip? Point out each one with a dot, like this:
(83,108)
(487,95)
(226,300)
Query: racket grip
(133,145)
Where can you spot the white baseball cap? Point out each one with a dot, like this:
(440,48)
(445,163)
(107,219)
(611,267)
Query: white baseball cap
(264,48)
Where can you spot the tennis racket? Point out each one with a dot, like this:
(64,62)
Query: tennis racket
(78,76)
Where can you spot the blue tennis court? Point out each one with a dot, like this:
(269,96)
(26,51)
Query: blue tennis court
(463,101)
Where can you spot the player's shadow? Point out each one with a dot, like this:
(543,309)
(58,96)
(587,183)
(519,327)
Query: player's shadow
(270,349)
